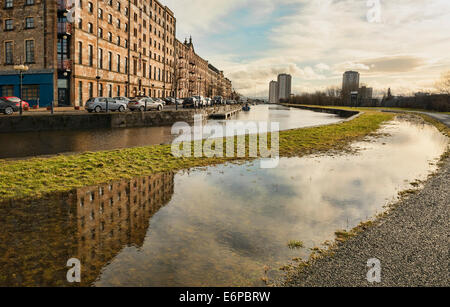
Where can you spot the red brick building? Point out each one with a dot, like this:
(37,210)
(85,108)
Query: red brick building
(77,49)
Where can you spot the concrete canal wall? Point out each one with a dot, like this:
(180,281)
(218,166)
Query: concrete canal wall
(339,112)
(81,120)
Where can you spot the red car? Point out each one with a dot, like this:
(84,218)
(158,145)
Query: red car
(17,101)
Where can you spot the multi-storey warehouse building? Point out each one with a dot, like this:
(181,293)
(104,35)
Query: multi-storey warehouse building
(195,76)
(77,49)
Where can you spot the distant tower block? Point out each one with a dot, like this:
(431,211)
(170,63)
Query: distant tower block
(284,86)
(273,92)
(350,83)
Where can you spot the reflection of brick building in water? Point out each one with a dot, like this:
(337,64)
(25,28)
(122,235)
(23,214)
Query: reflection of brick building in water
(113,215)
(92,224)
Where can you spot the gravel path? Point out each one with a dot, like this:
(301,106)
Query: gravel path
(444,118)
(412,244)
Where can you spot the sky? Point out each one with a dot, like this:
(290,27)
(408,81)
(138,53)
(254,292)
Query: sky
(401,44)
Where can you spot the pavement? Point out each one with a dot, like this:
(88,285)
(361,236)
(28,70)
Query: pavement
(71,111)
(411,243)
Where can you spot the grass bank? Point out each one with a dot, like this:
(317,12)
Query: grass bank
(38,176)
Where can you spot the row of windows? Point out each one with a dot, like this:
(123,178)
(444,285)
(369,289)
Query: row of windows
(9,24)
(9,4)
(29,91)
(29,47)
(90,7)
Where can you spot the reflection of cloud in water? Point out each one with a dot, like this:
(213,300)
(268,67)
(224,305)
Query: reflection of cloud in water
(224,223)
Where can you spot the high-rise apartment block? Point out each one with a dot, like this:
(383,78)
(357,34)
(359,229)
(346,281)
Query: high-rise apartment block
(281,89)
(284,86)
(350,83)
(273,92)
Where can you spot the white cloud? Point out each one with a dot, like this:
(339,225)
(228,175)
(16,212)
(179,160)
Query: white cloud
(320,39)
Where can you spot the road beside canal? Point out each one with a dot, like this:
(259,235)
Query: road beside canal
(410,241)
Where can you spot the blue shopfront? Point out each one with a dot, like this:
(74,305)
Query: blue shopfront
(37,88)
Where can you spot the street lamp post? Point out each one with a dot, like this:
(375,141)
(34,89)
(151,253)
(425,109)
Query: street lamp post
(21,68)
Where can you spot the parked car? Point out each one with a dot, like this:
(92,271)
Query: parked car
(7,107)
(191,102)
(209,102)
(219,100)
(17,101)
(98,105)
(122,99)
(139,104)
(201,101)
(159,100)
(169,100)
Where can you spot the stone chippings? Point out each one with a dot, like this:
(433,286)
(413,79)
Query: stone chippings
(412,243)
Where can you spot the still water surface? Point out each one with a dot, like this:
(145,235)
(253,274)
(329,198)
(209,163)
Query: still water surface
(18,145)
(215,226)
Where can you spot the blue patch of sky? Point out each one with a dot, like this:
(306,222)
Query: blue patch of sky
(247,38)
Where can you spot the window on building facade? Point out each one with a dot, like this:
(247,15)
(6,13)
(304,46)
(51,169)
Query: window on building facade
(80,23)
(29,2)
(29,51)
(7,90)
(9,25)
(9,52)
(90,28)
(100,32)
(118,63)
(109,60)
(90,7)
(30,92)
(100,58)
(80,93)
(90,55)
(90,90)
(29,23)
(109,18)
(9,4)
(80,53)
(109,90)
(126,65)
(100,90)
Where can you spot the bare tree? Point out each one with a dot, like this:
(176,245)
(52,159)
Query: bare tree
(443,85)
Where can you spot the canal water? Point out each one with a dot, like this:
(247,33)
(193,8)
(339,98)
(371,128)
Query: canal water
(216,226)
(27,144)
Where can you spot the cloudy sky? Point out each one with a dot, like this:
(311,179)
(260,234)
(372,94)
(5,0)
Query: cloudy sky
(402,44)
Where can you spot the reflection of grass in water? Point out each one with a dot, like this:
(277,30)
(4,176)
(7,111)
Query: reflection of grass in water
(38,176)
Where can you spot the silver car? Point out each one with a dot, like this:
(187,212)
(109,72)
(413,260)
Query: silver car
(159,100)
(122,99)
(101,104)
(141,103)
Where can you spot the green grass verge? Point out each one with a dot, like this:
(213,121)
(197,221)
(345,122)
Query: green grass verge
(38,176)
